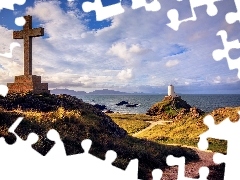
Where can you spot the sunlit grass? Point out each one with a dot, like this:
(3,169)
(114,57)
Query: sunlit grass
(185,131)
(75,126)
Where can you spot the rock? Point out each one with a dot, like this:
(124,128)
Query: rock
(100,107)
(122,103)
(109,111)
(131,105)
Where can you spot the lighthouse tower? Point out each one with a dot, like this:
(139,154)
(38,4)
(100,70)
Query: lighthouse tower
(171,91)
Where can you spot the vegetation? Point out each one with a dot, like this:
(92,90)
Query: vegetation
(186,131)
(76,121)
(173,107)
(132,123)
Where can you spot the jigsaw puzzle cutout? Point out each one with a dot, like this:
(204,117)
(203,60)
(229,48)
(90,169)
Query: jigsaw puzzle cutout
(229,131)
(224,53)
(3,90)
(173,14)
(153,6)
(43,145)
(19,21)
(180,162)
(232,17)
(12,46)
(9,4)
(101,11)
(57,148)
(157,174)
(67,166)
(10,138)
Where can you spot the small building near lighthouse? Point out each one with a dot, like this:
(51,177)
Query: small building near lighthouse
(171,91)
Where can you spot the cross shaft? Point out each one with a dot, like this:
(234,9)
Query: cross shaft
(27,34)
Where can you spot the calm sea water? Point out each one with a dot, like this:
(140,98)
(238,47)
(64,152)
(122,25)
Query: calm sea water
(205,102)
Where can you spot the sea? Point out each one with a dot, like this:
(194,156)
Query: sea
(204,102)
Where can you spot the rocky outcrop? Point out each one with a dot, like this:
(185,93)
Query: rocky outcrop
(174,108)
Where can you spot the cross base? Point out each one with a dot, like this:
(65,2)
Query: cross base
(28,83)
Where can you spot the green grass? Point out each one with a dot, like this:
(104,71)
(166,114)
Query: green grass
(75,126)
(183,132)
(141,117)
(132,123)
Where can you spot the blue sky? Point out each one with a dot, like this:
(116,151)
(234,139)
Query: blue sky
(133,52)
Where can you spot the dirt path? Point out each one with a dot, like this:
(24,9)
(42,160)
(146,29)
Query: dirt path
(152,124)
(192,168)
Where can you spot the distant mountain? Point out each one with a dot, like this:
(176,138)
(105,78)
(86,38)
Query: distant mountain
(95,92)
(67,91)
(107,92)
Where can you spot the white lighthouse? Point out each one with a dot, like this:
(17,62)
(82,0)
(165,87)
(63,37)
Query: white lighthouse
(171,91)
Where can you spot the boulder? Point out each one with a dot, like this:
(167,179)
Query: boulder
(100,107)
(109,111)
(122,103)
(131,105)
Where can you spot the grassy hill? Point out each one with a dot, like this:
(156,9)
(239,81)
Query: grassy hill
(184,131)
(76,121)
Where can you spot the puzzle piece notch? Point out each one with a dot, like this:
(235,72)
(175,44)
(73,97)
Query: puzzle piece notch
(58,149)
(153,6)
(219,54)
(31,139)
(25,158)
(110,157)
(132,169)
(3,90)
(180,162)
(215,131)
(101,11)
(173,14)
(157,174)
(229,131)
(20,21)
(86,145)
(232,17)
(43,145)
(9,4)
(9,124)
(12,46)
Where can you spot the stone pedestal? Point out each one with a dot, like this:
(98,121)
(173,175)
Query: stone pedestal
(28,83)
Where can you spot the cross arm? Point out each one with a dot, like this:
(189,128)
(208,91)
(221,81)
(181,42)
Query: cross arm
(17,34)
(36,32)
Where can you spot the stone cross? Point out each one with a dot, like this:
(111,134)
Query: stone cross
(27,34)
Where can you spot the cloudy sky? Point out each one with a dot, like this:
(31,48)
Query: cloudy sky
(133,52)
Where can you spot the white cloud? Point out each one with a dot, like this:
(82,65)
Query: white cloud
(121,50)
(71,54)
(172,63)
(125,74)
(217,80)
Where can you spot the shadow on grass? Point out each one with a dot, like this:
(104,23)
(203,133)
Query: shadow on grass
(72,131)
